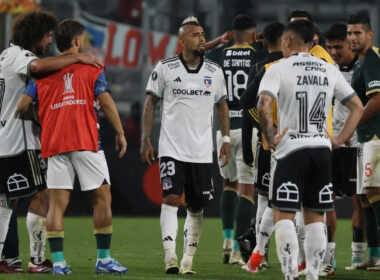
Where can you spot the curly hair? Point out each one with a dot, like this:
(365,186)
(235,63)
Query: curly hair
(29,28)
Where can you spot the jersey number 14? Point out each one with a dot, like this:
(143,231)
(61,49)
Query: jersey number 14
(316,116)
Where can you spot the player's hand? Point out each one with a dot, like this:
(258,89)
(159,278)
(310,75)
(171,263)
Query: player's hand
(146,151)
(226,37)
(120,144)
(225,152)
(90,59)
(335,142)
(277,139)
(348,142)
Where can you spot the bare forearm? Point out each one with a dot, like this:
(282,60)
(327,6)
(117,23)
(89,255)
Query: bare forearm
(110,111)
(148,116)
(356,111)
(52,64)
(370,110)
(265,117)
(223,118)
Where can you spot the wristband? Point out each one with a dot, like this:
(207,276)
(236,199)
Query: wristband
(226,139)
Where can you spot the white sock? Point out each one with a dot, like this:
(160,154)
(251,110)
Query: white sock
(192,232)
(265,231)
(359,250)
(262,204)
(315,249)
(287,247)
(169,229)
(5,217)
(37,236)
(300,228)
(330,252)
(105,260)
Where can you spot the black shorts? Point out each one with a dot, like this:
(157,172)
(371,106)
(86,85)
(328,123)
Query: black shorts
(193,178)
(344,171)
(303,178)
(22,175)
(262,169)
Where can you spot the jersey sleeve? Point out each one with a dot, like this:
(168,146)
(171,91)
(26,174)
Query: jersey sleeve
(31,90)
(270,83)
(342,91)
(22,61)
(214,54)
(371,71)
(156,83)
(101,84)
(221,90)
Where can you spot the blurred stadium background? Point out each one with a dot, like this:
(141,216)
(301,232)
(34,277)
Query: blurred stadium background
(131,36)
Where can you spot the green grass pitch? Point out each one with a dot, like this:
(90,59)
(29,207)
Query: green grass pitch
(136,243)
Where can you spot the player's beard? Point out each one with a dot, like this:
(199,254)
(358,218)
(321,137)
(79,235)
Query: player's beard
(200,52)
(40,50)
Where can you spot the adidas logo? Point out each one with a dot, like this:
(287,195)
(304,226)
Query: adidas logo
(178,79)
(168,238)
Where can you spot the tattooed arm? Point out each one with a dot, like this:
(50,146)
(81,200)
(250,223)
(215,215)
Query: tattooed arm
(224,124)
(264,109)
(146,151)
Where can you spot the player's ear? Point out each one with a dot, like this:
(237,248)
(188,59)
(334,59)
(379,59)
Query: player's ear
(254,36)
(370,34)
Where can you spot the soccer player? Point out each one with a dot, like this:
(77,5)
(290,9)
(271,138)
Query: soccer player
(366,82)
(301,175)
(264,217)
(236,60)
(187,86)
(343,158)
(68,111)
(21,166)
(316,49)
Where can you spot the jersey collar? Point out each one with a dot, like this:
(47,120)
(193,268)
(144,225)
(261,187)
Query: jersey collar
(187,68)
(348,68)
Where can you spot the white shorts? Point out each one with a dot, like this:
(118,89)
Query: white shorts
(368,166)
(91,168)
(237,170)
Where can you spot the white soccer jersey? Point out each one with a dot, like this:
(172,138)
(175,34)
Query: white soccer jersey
(16,135)
(340,112)
(304,86)
(187,99)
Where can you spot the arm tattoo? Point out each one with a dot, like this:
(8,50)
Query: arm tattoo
(265,117)
(148,116)
(224,118)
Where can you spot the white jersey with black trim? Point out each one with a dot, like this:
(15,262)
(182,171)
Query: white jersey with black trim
(16,134)
(187,98)
(340,112)
(304,86)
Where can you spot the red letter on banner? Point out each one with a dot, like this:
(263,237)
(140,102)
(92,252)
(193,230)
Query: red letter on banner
(159,52)
(133,34)
(109,60)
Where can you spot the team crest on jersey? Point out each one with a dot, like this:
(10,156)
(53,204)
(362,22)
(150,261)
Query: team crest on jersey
(207,81)
(68,78)
(166,184)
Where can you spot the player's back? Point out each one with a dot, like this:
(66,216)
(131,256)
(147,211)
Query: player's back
(236,63)
(304,94)
(16,134)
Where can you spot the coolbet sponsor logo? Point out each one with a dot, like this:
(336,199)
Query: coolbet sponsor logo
(197,92)
(68,103)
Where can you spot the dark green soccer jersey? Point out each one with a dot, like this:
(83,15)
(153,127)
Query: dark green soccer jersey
(366,81)
(235,60)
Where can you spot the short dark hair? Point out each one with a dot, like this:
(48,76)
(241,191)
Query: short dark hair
(243,22)
(273,31)
(29,28)
(66,32)
(303,28)
(300,14)
(360,17)
(336,31)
